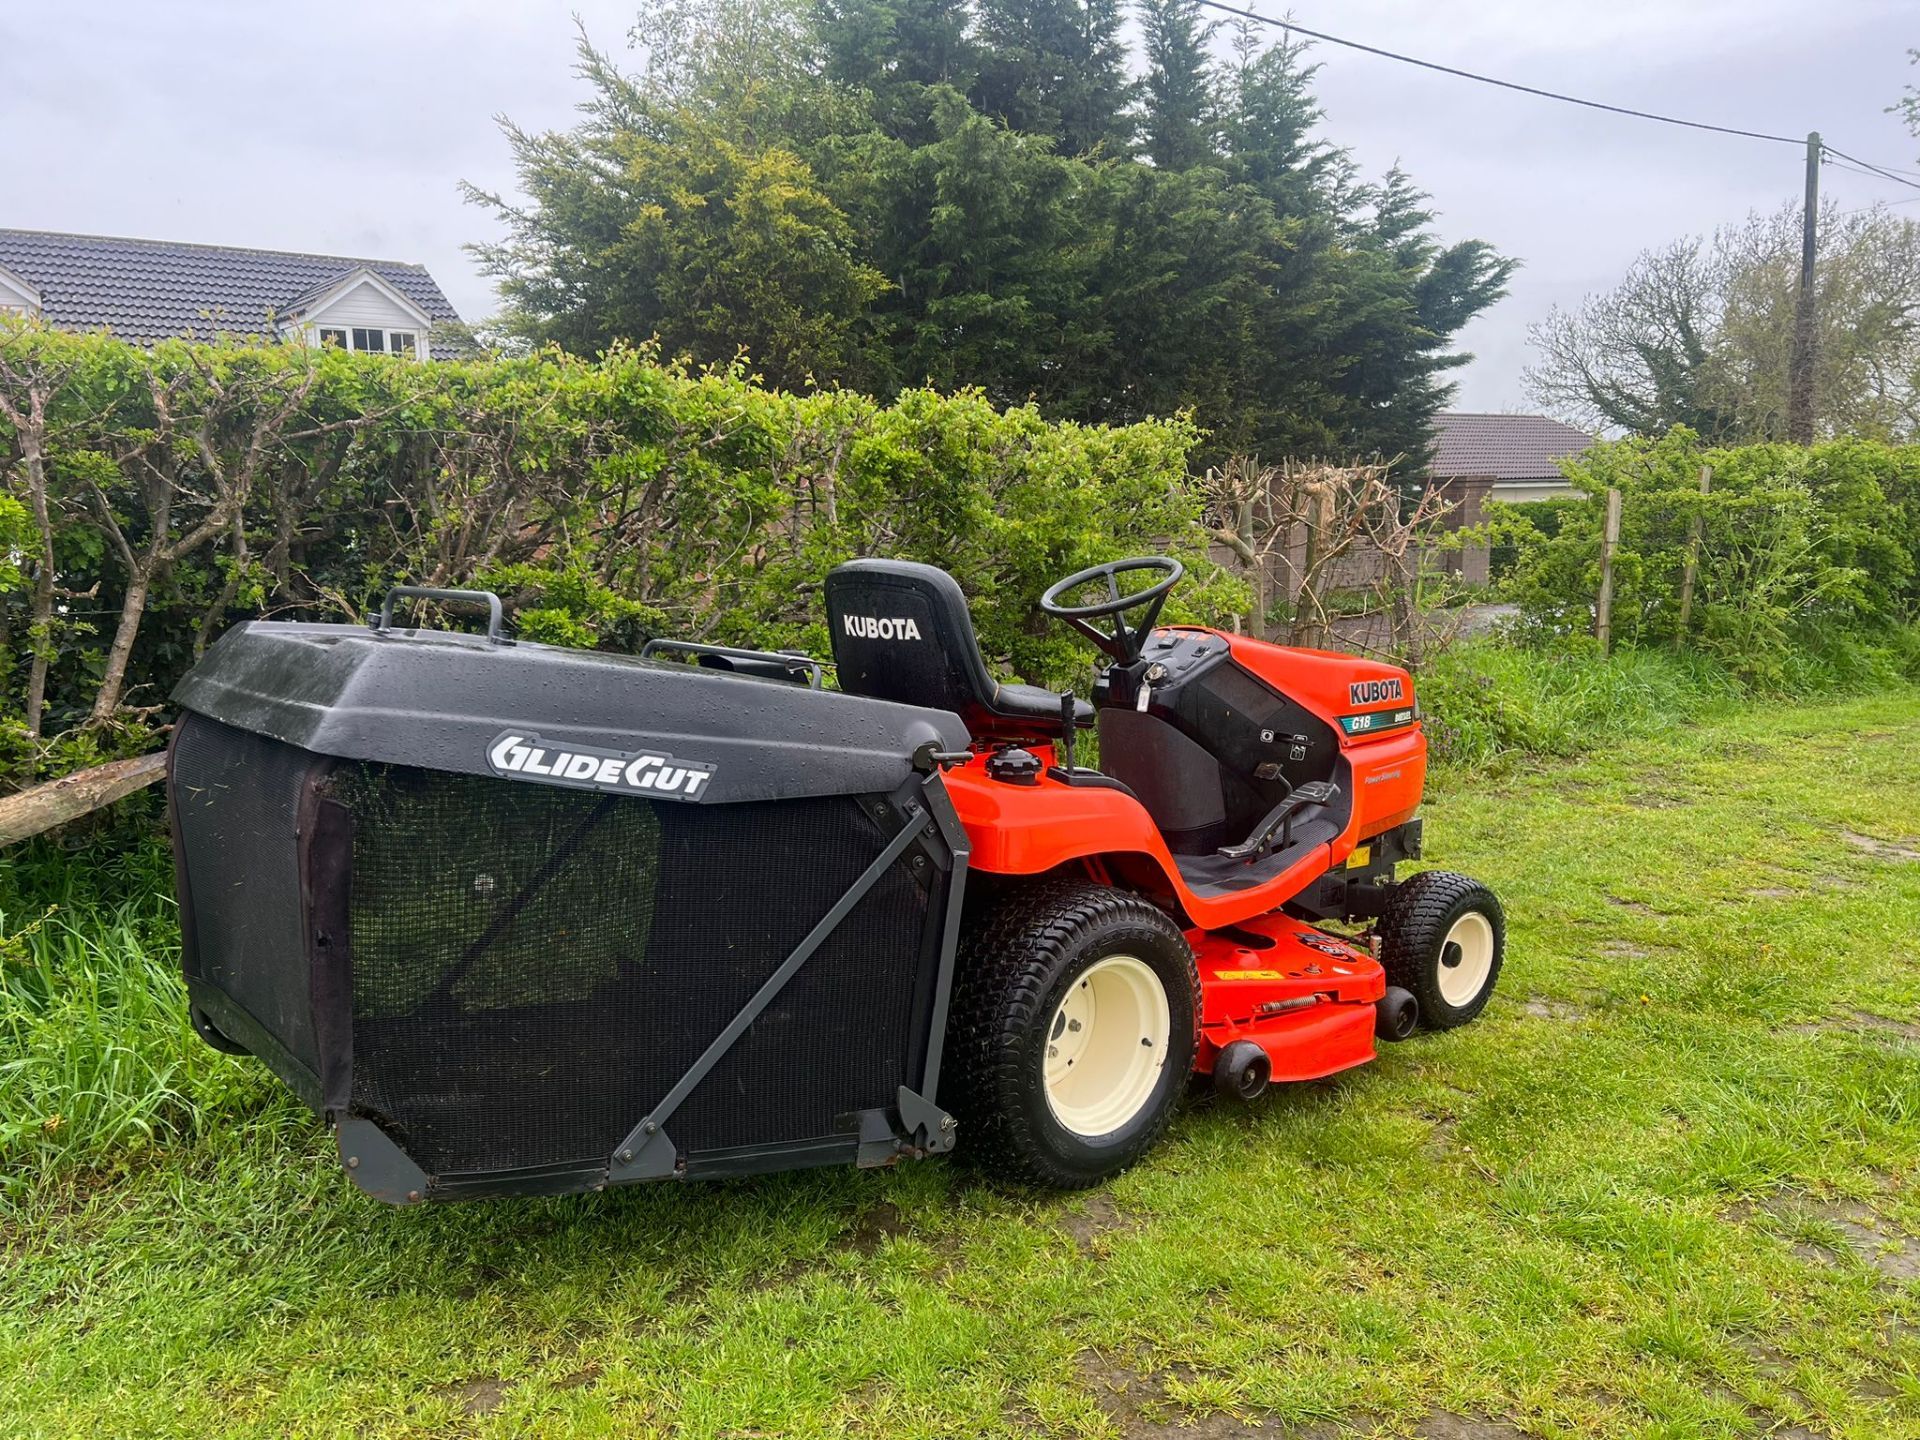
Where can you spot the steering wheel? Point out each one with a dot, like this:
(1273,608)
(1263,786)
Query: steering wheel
(1123,642)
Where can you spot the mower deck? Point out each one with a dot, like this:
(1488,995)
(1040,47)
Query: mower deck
(1303,996)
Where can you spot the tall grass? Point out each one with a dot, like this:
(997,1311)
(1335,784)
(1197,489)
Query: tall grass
(1490,703)
(97,1061)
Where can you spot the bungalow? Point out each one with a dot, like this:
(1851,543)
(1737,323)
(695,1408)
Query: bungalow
(1518,454)
(151,290)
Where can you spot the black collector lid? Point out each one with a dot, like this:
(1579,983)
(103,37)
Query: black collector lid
(478,706)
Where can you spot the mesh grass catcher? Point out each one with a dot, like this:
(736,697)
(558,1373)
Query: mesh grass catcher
(519,919)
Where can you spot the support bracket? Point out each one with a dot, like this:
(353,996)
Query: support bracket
(931,1128)
(376,1164)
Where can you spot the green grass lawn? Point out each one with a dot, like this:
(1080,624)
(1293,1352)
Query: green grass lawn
(1669,1185)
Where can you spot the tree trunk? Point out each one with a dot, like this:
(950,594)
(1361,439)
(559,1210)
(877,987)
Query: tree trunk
(114,680)
(222,602)
(1409,641)
(40,627)
(1309,627)
(1262,625)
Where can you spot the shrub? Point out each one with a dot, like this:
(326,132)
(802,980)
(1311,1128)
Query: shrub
(1504,699)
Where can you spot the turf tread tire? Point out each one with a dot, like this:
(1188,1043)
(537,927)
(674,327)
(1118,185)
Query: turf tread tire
(1011,958)
(1413,926)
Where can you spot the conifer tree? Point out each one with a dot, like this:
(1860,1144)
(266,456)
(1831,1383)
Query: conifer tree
(886,192)
(1180,86)
(1057,68)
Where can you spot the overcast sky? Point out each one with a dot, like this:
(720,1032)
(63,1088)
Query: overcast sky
(344,128)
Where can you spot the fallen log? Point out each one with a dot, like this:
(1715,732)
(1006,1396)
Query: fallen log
(53,804)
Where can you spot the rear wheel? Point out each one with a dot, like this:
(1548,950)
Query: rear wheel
(1443,937)
(1073,1031)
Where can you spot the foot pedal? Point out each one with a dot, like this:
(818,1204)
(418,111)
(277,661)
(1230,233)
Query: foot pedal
(1302,797)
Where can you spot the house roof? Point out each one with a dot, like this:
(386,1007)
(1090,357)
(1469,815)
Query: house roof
(1507,447)
(148,290)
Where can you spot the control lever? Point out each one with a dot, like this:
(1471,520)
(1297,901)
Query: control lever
(1067,727)
(1280,818)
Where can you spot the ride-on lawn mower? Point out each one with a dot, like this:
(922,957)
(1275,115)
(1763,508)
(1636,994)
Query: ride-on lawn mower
(520,919)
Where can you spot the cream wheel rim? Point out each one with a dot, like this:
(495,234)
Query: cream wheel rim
(1466,959)
(1106,1045)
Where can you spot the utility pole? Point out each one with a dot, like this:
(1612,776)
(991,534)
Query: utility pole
(1800,367)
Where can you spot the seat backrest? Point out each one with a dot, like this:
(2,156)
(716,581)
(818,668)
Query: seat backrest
(901,632)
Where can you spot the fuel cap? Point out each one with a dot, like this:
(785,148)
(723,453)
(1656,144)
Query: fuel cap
(1015,766)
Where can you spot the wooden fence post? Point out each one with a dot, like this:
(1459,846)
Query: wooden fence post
(1694,534)
(1609,540)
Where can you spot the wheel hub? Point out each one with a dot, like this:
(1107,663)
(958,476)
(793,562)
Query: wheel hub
(1106,1046)
(1466,959)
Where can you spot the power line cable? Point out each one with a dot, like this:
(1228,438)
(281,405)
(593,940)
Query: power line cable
(1886,169)
(1853,170)
(1870,174)
(1878,205)
(1290,26)
(1850,169)
(1490,80)
(1896,170)
(1867,167)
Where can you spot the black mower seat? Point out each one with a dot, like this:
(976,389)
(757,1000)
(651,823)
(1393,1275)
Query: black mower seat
(901,632)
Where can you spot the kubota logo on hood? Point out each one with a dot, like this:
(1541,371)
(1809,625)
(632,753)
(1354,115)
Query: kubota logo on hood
(1373,692)
(878,627)
(625,772)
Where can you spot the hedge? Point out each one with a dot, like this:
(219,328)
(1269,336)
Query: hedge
(1796,548)
(159,495)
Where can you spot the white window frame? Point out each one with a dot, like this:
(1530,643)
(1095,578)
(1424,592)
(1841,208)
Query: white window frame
(318,335)
(350,335)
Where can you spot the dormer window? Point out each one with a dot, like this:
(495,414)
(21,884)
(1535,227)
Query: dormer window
(363,315)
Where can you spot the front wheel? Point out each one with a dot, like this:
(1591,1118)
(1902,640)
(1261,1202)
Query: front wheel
(1073,1031)
(1443,937)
